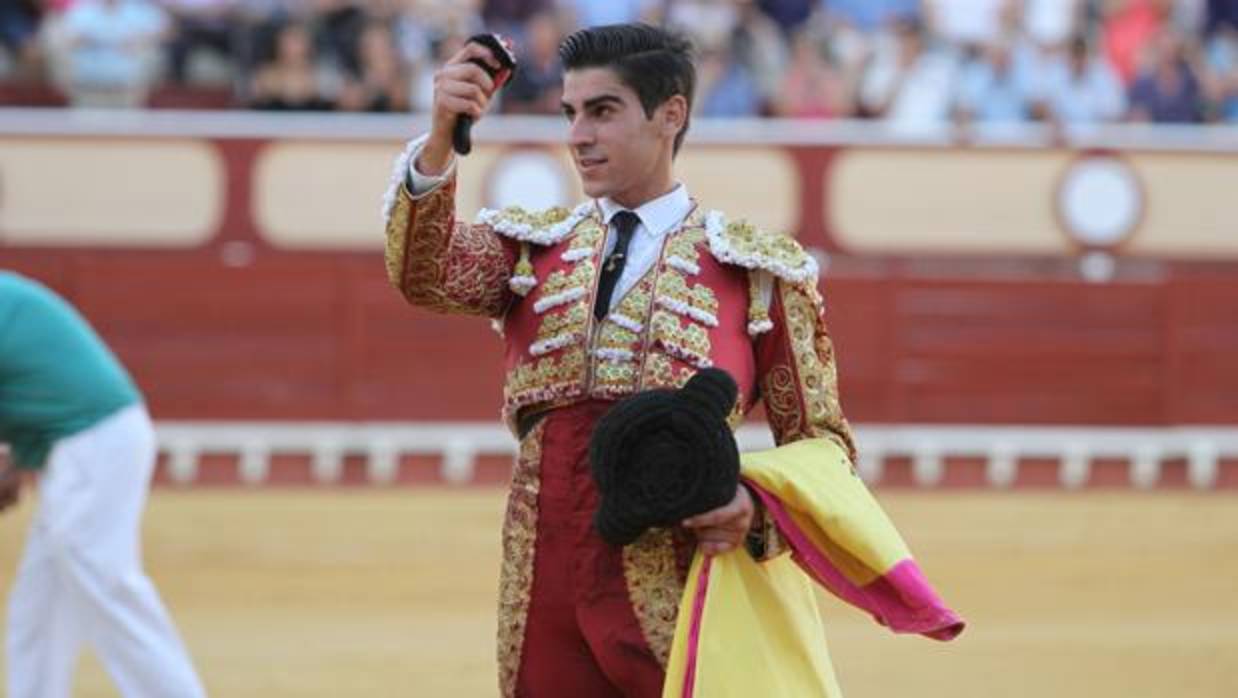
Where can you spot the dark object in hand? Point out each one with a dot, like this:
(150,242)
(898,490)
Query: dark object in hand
(461,139)
(662,456)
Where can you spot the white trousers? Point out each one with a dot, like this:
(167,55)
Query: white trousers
(80,581)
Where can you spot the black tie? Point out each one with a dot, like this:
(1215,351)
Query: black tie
(625,223)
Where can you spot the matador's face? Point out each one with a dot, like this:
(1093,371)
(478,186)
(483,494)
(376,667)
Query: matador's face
(619,151)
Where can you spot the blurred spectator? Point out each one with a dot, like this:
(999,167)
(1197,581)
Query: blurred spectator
(987,61)
(382,84)
(1128,27)
(1221,13)
(1051,23)
(200,25)
(509,16)
(109,50)
(811,88)
(591,13)
(1188,16)
(338,25)
(907,85)
(966,23)
(537,83)
(789,15)
(292,80)
(709,22)
(761,46)
(19,25)
(422,94)
(993,89)
(725,87)
(870,15)
(424,23)
(1082,88)
(1221,57)
(1167,88)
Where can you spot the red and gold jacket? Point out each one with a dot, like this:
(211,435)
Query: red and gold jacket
(721,294)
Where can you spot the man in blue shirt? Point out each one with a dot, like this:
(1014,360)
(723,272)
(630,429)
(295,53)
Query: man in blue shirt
(71,414)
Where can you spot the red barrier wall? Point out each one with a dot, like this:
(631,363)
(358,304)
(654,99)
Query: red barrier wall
(244,326)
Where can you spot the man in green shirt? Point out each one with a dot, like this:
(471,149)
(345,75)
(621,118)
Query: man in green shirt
(70,413)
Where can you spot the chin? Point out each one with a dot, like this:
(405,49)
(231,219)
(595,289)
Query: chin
(594,190)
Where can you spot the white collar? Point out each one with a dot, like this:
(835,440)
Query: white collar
(658,216)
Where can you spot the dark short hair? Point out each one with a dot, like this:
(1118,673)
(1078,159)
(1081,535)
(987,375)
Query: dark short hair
(655,63)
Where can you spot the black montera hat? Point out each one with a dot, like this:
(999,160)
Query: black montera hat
(661,456)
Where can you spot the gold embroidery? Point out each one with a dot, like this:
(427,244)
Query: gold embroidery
(756,249)
(443,265)
(581,276)
(612,336)
(817,378)
(573,318)
(524,278)
(617,348)
(516,573)
(587,235)
(613,378)
(397,238)
(782,404)
(544,379)
(685,341)
(654,588)
(684,244)
(537,220)
(758,310)
(660,372)
(672,285)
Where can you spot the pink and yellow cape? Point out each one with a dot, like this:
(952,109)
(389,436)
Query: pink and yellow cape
(749,628)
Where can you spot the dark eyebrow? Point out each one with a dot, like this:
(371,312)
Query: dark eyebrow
(594,102)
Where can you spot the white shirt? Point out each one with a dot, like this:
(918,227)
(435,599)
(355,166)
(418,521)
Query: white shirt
(658,217)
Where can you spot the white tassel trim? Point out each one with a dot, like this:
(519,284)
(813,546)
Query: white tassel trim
(527,233)
(683,265)
(399,174)
(558,341)
(688,356)
(521,285)
(677,306)
(760,327)
(547,302)
(720,246)
(615,355)
(626,322)
(577,254)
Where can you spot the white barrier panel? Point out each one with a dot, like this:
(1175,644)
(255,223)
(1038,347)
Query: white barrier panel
(928,447)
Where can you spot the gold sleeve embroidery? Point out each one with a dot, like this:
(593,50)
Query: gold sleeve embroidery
(797,372)
(444,265)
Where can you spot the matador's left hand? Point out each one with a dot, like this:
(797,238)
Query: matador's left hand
(723,529)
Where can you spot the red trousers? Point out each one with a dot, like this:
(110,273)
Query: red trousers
(582,638)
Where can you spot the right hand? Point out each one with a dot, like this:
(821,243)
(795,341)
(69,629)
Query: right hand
(460,87)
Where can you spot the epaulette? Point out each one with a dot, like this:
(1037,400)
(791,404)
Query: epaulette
(545,227)
(743,244)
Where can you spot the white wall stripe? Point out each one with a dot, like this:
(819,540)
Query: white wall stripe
(929,448)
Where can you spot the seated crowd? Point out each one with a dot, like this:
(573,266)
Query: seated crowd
(912,63)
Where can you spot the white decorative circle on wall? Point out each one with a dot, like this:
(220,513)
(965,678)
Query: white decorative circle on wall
(532,179)
(1099,201)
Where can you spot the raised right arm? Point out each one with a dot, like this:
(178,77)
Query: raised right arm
(437,262)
